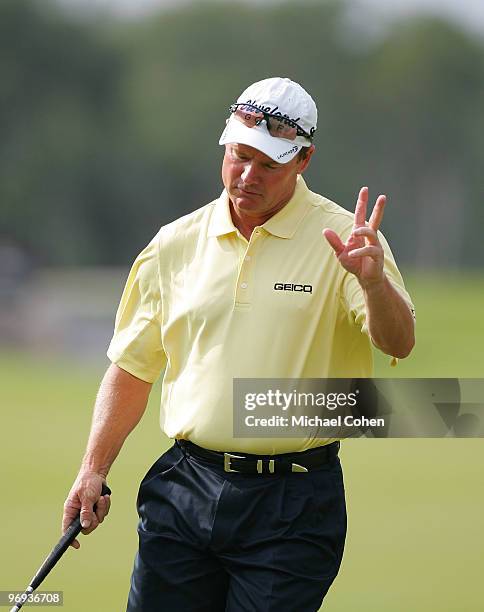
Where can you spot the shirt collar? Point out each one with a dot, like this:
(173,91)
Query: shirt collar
(283,224)
(221,220)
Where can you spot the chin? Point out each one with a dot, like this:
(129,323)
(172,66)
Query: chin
(245,204)
(244,200)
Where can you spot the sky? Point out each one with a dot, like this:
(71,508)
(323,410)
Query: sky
(469,13)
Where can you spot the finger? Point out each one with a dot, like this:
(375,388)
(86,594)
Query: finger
(101,508)
(360,208)
(369,233)
(108,502)
(377,212)
(87,515)
(71,510)
(369,251)
(94,525)
(334,240)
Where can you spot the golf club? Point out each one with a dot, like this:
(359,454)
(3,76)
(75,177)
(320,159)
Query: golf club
(59,549)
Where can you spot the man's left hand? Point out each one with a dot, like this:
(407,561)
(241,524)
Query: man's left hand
(362,254)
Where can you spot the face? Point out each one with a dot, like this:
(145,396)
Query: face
(257,185)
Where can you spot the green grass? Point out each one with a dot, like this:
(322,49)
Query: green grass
(46,410)
(416,532)
(449,310)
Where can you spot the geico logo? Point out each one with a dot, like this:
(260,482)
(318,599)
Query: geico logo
(291,287)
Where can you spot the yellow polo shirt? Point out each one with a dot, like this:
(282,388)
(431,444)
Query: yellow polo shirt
(207,306)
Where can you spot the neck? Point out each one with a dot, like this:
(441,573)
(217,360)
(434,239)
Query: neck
(246,223)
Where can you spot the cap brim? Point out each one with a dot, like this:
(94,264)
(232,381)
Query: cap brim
(278,149)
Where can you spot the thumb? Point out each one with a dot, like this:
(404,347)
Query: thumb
(334,240)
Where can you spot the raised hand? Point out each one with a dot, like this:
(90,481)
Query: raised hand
(362,254)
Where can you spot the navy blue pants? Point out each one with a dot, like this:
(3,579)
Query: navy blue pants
(212,541)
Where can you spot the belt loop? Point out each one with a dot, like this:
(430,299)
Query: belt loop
(184,447)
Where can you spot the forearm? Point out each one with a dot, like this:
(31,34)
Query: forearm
(120,404)
(390,321)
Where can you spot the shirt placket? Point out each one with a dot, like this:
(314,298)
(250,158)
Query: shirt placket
(245,277)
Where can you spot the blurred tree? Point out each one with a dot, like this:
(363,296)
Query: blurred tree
(422,92)
(110,129)
(58,93)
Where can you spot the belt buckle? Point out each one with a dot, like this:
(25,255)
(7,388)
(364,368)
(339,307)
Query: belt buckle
(227,459)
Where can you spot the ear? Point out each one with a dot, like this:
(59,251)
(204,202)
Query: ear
(305,162)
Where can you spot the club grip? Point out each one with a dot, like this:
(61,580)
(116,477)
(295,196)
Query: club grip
(62,545)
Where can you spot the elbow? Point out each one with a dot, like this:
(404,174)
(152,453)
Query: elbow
(398,349)
(405,349)
(401,354)
(406,341)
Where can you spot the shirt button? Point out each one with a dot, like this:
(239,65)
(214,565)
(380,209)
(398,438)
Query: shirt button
(244,285)
(247,258)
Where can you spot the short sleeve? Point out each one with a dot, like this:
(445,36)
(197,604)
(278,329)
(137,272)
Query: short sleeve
(353,293)
(136,345)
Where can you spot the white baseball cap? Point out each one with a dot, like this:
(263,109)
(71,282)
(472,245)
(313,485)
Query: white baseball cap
(276,116)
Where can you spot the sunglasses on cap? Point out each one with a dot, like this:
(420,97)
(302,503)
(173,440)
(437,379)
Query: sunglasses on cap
(278,126)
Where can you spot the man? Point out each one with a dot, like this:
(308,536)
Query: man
(232,523)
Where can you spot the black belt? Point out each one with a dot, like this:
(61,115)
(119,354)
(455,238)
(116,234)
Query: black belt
(263,464)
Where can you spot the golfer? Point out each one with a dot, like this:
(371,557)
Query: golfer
(268,280)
